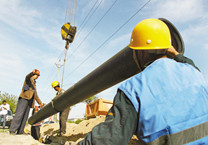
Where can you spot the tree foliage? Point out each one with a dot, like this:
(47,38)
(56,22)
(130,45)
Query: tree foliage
(10,99)
(78,121)
(91,99)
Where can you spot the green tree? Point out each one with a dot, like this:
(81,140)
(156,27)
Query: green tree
(78,121)
(91,99)
(11,100)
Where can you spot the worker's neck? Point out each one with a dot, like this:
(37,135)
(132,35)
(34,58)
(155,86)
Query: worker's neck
(165,56)
(59,89)
(148,58)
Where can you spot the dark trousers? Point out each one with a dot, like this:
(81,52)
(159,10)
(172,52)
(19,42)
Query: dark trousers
(4,120)
(35,132)
(21,116)
(63,117)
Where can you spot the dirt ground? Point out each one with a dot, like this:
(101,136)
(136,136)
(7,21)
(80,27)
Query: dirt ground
(74,134)
(7,139)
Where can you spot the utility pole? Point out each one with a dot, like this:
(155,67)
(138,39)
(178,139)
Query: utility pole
(58,66)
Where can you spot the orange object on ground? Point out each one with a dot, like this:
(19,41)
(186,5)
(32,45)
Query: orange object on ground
(98,107)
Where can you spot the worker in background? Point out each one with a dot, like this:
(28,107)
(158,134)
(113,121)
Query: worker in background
(165,104)
(25,102)
(63,116)
(3,112)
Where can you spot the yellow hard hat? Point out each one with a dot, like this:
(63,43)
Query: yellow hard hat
(150,34)
(55,84)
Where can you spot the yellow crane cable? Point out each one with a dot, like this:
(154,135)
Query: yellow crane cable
(71,11)
(74,11)
(67,10)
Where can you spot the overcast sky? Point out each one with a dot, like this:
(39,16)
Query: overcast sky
(30,38)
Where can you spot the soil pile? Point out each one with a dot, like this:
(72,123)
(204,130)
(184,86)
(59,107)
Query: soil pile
(74,134)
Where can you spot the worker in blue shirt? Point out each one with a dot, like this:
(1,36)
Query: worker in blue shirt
(165,104)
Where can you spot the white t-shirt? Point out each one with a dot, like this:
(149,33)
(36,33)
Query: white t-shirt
(3,110)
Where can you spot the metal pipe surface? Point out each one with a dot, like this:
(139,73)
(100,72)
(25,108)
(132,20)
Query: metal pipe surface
(118,68)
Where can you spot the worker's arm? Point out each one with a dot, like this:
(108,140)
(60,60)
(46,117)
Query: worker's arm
(5,108)
(28,83)
(180,58)
(37,97)
(119,126)
(31,83)
(38,100)
(28,78)
(183,59)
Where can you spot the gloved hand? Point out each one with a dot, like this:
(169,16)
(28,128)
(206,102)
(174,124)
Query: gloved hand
(171,52)
(41,106)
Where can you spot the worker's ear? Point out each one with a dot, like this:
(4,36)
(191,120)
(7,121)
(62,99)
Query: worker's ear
(171,52)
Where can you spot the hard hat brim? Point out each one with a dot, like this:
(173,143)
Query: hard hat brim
(149,48)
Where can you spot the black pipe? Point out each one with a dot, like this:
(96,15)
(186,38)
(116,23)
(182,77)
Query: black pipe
(118,68)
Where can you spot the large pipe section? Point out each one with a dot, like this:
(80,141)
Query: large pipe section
(118,68)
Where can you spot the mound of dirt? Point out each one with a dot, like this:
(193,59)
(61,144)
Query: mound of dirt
(74,134)
(86,126)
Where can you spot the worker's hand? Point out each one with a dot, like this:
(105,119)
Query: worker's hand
(41,106)
(171,52)
(34,71)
